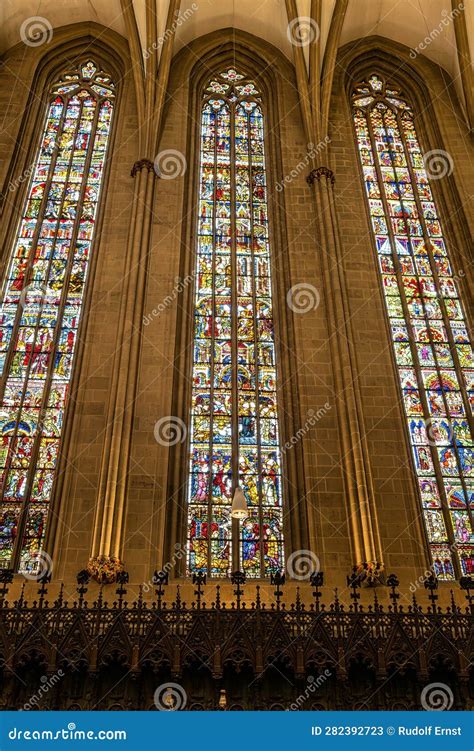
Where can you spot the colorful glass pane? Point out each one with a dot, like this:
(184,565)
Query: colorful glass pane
(234,426)
(426,318)
(41,307)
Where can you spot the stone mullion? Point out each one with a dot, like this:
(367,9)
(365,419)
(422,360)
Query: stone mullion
(235,443)
(360,504)
(256,339)
(212,351)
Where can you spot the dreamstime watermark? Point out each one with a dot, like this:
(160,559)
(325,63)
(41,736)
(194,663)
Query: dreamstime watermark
(38,291)
(434,34)
(178,555)
(170,697)
(71,733)
(458,275)
(301,564)
(41,565)
(170,164)
(46,685)
(170,32)
(313,150)
(180,285)
(303,297)
(434,436)
(310,422)
(437,697)
(25,175)
(170,430)
(302,30)
(35,31)
(438,163)
(313,685)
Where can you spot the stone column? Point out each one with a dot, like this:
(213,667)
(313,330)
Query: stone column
(151,86)
(105,560)
(361,510)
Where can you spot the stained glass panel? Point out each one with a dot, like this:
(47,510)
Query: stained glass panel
(42,302)
(234,425)
(431,344)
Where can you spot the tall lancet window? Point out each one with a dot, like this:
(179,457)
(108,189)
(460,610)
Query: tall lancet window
(430,340)
(41,304)
(234,426)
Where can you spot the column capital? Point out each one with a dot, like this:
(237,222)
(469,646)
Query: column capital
(370,573)
(104,568)
(138,166)
(318,173)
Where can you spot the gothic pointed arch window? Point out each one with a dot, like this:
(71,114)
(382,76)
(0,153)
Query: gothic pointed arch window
(430,340)
(42,301)
(234,437)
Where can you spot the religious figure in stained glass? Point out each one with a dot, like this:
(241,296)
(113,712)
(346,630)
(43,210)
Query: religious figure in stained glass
(234,425)
(41,305)
(430,339)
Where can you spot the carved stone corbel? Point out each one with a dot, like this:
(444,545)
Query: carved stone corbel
(318,173)
(140,164)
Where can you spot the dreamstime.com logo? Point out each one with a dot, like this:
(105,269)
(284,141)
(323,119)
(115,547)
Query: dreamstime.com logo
(42,565)
(170,164)
(302,31)
(37,294)
(438,164)
(169,430)
(71,733)
(433,434)
(302,298)
(35,31)
(302,564)
(437,697)
(170,697)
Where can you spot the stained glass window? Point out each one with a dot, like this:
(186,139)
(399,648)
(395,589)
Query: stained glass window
(430,340)
(234,426)
(41,304)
